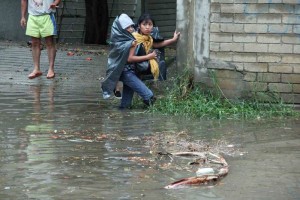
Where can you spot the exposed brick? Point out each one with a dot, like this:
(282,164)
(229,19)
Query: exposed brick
(291,1)
(244,57)
(252,47)
(268,1)
(221,37)
(231,47)
(214,46)
(214,27)
(256,8)
(222,1)
(296,88)
(256,67)
(280,68)
(244,38)
(280,8)
(269,58)
(280,87)
(215,7)
(261,37)
(256,28)
(296,29)
(220,17)
(280,29)
(290,19)
(291,39)
(268,18)
(290,78)
(296,49)
(247,19)
(292,58)
(232,8)
(281,48)
(232,28)
(225,56)
(268,77)
(297,9)
(296,68)
(269,38)
(245,1)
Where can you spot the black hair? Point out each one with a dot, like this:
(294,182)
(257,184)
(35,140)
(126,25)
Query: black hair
(145,17)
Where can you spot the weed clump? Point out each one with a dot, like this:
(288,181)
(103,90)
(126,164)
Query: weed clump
(184,98)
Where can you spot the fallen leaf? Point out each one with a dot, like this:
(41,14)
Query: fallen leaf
(70,53)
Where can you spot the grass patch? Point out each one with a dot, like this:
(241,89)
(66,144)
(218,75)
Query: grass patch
(185,99)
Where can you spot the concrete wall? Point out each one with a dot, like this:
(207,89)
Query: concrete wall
(10,28)
(164,14)
(259,40)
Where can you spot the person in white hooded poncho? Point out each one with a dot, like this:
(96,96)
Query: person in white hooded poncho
(121,40)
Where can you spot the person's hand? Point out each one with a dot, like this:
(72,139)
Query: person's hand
(53,6)
(152,55)
(176,35)
(23,22)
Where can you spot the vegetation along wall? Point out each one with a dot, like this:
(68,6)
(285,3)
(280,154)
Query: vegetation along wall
(258,42)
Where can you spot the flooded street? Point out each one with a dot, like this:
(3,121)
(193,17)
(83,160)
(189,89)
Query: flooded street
(59,140)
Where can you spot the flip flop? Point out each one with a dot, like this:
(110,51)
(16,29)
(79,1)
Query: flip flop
(50,77)
(34,75)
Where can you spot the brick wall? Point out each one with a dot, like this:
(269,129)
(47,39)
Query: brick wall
(262,38)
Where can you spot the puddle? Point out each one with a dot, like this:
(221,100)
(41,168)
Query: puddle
(59,144)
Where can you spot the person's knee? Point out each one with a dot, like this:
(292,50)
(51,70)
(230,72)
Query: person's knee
(35,42)
(49,41)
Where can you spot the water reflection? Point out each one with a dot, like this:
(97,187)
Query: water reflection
(52,146)
(40,109)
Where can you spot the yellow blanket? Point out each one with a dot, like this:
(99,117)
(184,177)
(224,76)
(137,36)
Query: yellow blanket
(147,41)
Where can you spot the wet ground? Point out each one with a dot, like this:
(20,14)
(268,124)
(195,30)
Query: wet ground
(60,140)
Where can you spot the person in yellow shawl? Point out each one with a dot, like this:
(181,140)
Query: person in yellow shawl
(130,78)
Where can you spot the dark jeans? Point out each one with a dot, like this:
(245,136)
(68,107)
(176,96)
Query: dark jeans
(131,84)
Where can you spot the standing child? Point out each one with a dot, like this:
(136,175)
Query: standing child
(41,24)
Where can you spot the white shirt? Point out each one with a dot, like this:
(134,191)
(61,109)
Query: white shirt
(40,7)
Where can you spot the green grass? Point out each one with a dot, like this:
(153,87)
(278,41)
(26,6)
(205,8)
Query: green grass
(194,102)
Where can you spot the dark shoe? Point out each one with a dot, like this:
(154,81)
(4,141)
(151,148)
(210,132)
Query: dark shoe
(118,94)
(150,102)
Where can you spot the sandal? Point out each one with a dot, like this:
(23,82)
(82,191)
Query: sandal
(34,75)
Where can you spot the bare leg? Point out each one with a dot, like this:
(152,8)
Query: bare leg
(36,54)
(51,49)
(119,86)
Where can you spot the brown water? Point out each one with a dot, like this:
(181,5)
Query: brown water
(53,145)
(59,140)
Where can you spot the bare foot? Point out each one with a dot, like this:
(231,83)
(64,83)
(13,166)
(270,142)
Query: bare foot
(34,74)
(50,74)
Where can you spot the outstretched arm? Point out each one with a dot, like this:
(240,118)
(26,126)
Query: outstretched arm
(167,42)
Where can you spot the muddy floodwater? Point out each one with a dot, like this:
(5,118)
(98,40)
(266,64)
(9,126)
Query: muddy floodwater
(59,140)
